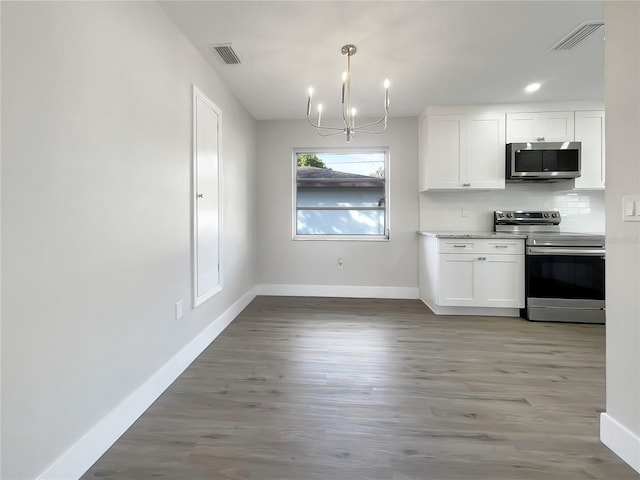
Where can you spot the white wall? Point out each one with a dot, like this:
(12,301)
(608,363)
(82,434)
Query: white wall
(620,424)
(581,211)
(96,155)
(389,268)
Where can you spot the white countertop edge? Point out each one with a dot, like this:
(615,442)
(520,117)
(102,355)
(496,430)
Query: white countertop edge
(489,235)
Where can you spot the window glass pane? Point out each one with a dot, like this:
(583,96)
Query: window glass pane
(340,193)
(341,197)
(340,222)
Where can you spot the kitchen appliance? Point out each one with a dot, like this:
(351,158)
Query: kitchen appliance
(543,161)
(564,272)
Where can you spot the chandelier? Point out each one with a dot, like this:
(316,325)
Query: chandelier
(348,112)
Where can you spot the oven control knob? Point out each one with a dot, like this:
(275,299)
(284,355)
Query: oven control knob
(509,215)
(554,215)
(546,215)
(501,215)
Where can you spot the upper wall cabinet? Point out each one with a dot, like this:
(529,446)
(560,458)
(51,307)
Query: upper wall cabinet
(540,127)
(589,130)
(462,152)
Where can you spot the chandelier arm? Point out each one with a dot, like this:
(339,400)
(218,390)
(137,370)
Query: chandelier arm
(380,132)
(377,122)
(331,134)
(324,127)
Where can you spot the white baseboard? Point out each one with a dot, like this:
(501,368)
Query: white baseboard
(475,311)
(86,451)
(344,291)
(483,311)
(620,440)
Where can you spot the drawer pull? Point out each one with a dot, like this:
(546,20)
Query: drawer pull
(501,246)
(460,246)
(482,258)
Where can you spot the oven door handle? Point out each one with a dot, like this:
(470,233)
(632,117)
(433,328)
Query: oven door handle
(583,252)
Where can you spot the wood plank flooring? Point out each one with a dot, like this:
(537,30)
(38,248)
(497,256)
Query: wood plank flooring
(359,389)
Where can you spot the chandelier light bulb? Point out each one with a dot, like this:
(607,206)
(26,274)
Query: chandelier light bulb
(310,92)
(532,87)
(386,84)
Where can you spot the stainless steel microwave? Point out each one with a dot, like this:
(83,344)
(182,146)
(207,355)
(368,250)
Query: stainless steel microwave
(543,161)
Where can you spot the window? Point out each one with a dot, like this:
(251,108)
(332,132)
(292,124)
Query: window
(341,194)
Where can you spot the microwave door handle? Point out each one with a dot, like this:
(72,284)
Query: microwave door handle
(583,252)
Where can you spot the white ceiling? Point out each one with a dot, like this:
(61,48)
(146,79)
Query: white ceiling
(434,52)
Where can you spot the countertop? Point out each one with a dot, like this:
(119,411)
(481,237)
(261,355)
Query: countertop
(488,235)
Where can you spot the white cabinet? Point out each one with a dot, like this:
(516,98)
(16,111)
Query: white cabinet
(461,272)
(459,280)
(462,152)
(589,129)
(540,127)
(443,140)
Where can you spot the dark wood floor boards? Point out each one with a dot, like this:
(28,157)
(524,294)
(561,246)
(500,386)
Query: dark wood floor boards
(359,389)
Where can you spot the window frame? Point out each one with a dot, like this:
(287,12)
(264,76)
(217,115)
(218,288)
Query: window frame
(342,237)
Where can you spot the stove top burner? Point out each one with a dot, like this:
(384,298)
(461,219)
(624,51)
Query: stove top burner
(542,228)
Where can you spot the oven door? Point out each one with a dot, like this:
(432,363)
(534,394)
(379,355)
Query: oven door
(565,284)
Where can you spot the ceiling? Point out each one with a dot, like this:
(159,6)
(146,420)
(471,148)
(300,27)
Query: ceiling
(433,52)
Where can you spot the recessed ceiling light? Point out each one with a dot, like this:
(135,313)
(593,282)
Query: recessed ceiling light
(532,87)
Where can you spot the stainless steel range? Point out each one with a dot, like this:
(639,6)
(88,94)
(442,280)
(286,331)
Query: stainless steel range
(564,272)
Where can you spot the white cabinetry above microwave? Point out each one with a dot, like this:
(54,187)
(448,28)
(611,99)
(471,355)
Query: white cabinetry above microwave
(589,130)
(463,147)
(540,127)
(462,152)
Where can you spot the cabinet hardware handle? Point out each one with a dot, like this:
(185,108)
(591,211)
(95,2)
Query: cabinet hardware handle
(466,184)
(482,258)
(460,246)
(502,246)
(540,139)
(201,195)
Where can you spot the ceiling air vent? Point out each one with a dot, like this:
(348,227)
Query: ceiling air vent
(227,53)
(578,35)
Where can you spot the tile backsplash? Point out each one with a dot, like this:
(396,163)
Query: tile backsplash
(581,211)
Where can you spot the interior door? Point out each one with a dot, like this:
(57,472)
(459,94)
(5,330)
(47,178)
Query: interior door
(206,201)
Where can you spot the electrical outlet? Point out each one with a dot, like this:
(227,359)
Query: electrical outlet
(179,309)
(340,262)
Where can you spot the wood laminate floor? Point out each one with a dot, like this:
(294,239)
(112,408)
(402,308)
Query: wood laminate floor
(359,389)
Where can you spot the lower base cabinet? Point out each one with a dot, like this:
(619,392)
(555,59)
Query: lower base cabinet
(490,272)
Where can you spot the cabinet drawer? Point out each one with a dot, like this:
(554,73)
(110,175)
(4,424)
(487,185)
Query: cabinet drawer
(459,245)
(500,246)
(481,245)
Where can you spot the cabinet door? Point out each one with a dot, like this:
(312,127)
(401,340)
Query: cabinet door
(590,131)
(422,154)
(459,279)
(540,127)
(484,166)
(446,143)
(503,281)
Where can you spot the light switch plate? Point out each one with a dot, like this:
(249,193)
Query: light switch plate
(631,208)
